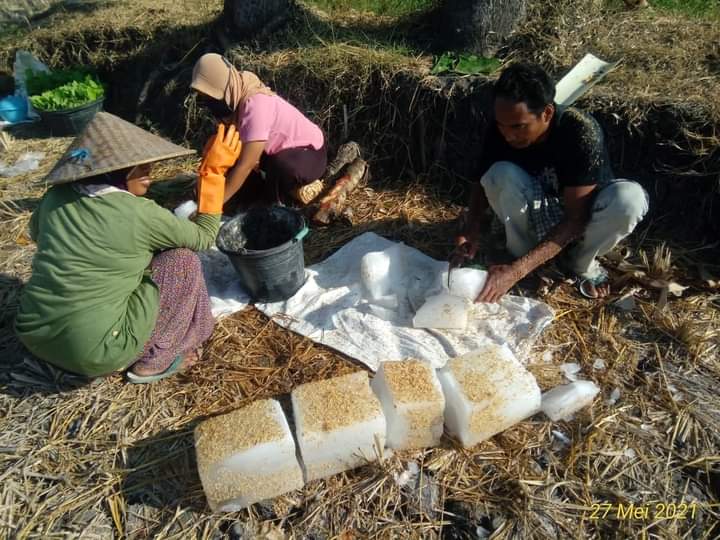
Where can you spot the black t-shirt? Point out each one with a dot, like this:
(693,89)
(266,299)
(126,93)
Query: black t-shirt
(574,150)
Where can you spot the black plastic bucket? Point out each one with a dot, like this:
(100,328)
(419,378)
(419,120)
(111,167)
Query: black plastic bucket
(70,121)
(265,247)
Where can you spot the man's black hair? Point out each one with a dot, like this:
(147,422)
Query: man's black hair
(526,83)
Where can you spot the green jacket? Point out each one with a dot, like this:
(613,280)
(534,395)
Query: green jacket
(90,305)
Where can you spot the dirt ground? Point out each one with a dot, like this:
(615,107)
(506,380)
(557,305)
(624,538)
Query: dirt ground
(110,460)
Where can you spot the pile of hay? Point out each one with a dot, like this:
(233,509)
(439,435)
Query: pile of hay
(110,458)
(368,78)
(106,458)
(105,33)
(659,108)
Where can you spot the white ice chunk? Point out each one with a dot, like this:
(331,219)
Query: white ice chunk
(467,282)
(388,302)
(186,209)
(408,475)
(599,364)
(381,312)
(339,424)
(375,274)
(381,272)
(413,403)
(246,456)
(486,392)
(443,311)
(561,438)
(563,401)
(570,371)
(614,396)
(440,284)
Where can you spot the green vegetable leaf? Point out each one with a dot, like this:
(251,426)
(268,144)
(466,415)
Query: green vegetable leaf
(464,64)
(443,64)
(471,64)
(76,88)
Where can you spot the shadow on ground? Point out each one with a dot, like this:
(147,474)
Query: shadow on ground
(21,374)
(162,471)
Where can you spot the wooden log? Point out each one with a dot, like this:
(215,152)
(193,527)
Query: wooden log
(250,18)
(346,154)
(334,202)
(480,26)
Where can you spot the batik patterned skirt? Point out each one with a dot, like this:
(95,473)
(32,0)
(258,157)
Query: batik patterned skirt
(184,321)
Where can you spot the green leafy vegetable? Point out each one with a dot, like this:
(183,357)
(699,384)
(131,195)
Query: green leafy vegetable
(471,64)
(464,64)
(41,81)
(63,89)
(443,64)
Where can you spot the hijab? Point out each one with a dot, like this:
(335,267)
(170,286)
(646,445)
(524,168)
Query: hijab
(216,77)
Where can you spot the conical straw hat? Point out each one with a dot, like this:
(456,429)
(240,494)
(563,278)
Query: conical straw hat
(108,144)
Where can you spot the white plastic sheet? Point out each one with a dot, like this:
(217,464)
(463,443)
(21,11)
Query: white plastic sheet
(27,162)
(226,294)
(25,63)
(332,308)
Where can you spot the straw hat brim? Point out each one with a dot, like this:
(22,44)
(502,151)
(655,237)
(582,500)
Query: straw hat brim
(108,144)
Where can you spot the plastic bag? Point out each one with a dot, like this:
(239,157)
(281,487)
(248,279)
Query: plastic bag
(27,162)
(26,62)
(186,210)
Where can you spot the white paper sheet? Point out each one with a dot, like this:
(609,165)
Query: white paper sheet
(581,78)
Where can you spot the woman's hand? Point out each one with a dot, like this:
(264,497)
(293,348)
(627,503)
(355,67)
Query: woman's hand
(249,159)
(221,151)
(220,154)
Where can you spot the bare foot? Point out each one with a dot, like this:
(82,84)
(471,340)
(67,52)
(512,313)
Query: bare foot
(596,291)
(191,359)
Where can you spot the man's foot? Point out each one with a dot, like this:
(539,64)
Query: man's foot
(594,288)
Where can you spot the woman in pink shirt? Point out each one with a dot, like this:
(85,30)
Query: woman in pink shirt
(276,137)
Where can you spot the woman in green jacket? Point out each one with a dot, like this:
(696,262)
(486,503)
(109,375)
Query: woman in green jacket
(115,281)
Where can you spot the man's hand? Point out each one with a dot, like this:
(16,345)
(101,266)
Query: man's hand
(500,280)
(473,224)
(577,203)
(465,250)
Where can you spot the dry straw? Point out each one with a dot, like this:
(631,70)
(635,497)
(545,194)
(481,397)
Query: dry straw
(106,459)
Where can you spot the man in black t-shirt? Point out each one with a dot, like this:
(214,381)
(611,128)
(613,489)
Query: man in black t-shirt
(547,177)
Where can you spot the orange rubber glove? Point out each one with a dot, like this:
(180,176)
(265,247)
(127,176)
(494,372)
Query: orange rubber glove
(220,153)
